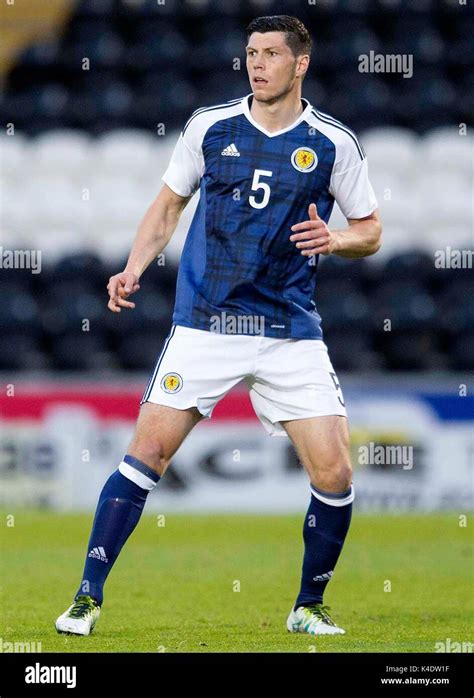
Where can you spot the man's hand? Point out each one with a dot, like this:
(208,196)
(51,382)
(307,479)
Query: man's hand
(313,236)
(120,287)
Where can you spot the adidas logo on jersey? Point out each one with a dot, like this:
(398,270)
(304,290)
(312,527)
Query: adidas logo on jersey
(231,150)
(99,554)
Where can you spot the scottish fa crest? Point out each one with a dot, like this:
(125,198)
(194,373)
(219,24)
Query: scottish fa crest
(171,383)
(304,159)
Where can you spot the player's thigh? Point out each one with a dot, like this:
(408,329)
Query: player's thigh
(159,432)
(323,446)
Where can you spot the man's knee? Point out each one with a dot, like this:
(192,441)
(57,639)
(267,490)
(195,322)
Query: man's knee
(335,476)
(344,475)
(150,450)
(159,433)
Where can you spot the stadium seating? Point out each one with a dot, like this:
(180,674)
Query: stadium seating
(79,199)
(132,44)
(87,156)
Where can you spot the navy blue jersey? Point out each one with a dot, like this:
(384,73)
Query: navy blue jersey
(238,261)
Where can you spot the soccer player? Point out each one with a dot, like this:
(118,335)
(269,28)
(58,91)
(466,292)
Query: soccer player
(269,167)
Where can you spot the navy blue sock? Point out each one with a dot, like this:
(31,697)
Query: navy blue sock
(118,511)
(325,527)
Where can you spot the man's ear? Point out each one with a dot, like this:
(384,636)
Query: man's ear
(302,65)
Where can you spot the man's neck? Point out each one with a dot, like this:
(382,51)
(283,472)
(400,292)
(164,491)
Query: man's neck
(277,115)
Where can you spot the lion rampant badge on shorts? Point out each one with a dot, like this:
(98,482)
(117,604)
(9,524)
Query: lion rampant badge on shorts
(171,383)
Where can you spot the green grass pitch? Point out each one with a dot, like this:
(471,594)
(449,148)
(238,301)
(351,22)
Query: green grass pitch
(226,584)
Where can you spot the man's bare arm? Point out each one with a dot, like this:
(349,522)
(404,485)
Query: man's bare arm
(361,239)
(153,234)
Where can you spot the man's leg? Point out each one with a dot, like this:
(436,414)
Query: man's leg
(160,430)
(322,444)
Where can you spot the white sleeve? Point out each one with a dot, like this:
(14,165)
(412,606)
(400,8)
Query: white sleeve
(186,166)
(350,183)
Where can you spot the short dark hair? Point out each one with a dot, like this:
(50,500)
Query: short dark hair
(296,35)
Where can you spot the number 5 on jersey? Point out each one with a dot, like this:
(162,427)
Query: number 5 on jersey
(264,186)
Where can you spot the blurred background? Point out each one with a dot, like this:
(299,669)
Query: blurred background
(94,94)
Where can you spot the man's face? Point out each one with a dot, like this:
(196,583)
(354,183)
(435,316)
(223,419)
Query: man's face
(271,65)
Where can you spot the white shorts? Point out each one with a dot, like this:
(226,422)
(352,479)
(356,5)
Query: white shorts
(287,378)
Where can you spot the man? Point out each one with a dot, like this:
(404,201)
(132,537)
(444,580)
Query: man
(269,167)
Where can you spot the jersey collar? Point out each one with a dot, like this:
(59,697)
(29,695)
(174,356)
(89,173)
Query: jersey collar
(271,134)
